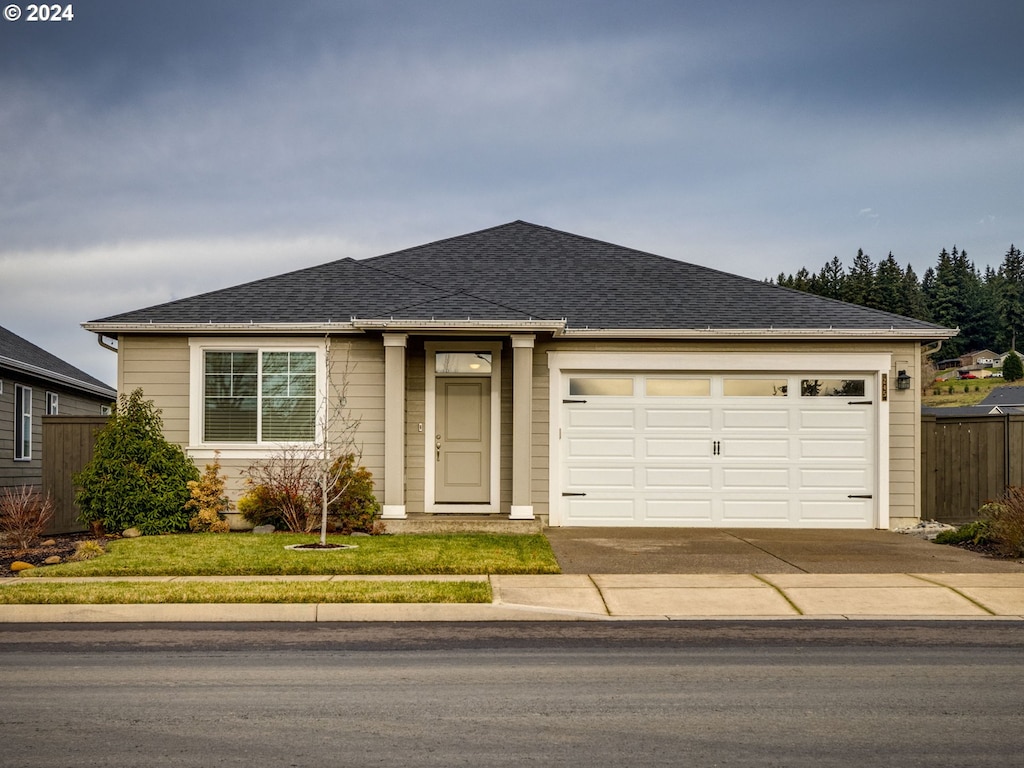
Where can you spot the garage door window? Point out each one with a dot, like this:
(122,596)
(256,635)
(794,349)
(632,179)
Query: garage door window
(832,388)
(755,387)
(678,387)
(598,387)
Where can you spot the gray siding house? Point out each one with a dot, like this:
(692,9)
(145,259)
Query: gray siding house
(34,384)
(525,372)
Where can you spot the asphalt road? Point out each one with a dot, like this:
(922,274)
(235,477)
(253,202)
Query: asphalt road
(695,694)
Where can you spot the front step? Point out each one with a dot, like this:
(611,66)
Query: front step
(428,523)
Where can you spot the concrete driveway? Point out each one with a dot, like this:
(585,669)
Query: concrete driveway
(715,550)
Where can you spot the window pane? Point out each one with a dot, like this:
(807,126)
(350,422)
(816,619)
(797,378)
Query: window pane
(288,419)
(463,362)
(230,406)
(832,388)
(600,386)
(679,387)
(289,396)
(755,387)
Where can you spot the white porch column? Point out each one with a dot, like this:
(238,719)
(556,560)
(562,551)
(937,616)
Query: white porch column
(394,426)
(522,426)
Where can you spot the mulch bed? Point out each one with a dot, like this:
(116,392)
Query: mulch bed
(63,547)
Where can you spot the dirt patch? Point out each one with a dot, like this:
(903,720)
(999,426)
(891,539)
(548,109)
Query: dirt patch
(63,547)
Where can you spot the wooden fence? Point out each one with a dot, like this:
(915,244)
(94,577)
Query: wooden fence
(967,461)
(67,447)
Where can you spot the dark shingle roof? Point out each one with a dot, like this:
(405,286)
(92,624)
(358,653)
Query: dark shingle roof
(1005,396)
(18,354)
(522,271)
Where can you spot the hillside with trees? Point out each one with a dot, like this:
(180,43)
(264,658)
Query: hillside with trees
(988,307)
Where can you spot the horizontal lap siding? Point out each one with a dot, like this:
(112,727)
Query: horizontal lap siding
(357,370)
(160,366)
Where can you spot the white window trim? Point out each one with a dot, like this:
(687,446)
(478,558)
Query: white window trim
(19,421)
(432,348)
(561,364)
(52,398)
(200,449)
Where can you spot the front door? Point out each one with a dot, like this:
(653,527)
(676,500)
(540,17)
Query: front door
(462,445)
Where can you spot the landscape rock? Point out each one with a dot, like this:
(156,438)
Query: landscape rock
(926,529)
(131,533)
(263,529)
(20,565)
(49,543)
(52,560)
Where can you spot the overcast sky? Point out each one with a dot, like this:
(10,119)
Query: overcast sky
(159,149)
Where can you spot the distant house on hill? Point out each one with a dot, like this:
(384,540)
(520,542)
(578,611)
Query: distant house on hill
(33,384)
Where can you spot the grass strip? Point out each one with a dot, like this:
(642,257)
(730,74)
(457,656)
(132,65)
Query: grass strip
(247,554)
(126,592)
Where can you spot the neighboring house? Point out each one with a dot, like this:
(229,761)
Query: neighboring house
(33,384)
(984,358)
(526,372)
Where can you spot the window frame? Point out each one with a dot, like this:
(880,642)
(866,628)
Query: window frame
(22,423)
(198,347)
(52,404)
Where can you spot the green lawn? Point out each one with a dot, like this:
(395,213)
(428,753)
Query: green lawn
(246,554)
(27,592)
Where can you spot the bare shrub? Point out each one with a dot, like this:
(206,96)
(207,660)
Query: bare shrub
(24,515)
(1006,522)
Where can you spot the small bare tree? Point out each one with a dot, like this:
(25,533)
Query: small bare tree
(304,476)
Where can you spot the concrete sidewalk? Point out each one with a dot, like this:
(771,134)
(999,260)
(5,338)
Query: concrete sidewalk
(607,597)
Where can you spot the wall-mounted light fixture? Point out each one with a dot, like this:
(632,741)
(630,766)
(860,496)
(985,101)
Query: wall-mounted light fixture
(902,380)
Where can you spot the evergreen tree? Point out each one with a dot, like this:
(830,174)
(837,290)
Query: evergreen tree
(859,284)
(912,297)
(831,279)
(888,292)
(1010,297)
(1013,369)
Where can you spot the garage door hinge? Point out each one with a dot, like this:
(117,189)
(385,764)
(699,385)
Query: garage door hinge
(573,494)
(574,401)
(860,496)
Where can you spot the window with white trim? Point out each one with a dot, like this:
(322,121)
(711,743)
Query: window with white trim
(259,396)
(52,406)
(22,423)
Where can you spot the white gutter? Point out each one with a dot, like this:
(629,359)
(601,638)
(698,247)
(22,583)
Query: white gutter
(742,333)
(113,329)
(57,378)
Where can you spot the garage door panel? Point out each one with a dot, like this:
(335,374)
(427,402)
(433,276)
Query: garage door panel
(601,418)
(848,479)
(679,448)
(834,420)
(748,419)
(683,479)
(750,478)
(602,447)
(619,478)
(756,448)
(834,448)
(668,418)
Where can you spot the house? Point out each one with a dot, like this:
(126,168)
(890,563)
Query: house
(33,384)
(525,372)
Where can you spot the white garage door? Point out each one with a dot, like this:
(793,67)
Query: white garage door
(775,450)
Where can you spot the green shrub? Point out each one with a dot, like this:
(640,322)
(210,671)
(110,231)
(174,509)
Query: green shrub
(355,507)
(136,478)
(971,533)
(262,506)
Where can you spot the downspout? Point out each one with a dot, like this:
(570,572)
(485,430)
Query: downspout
(105,345)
